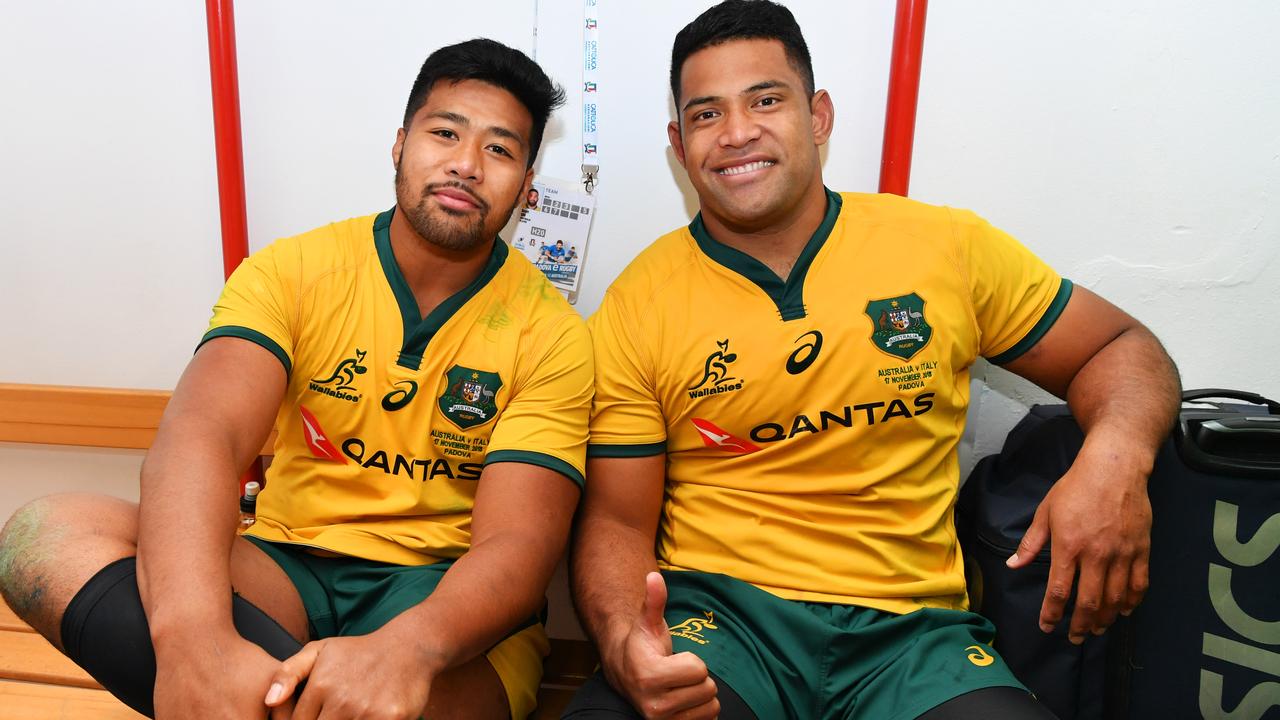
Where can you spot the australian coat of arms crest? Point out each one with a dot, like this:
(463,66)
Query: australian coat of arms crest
(468,399)
(898,325)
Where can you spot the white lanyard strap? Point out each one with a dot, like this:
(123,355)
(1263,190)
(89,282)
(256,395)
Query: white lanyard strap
(590,87)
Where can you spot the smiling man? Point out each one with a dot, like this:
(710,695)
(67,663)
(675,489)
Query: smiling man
(430,393)
(780,390)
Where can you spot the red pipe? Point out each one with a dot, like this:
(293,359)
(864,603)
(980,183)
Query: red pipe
(904,89)
(230,154)
(226,132)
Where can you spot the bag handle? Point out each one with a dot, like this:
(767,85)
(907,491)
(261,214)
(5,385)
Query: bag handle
(1272,406)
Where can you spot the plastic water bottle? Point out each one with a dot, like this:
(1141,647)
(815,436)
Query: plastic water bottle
(249,505)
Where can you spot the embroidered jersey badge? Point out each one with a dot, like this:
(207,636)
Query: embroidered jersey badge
(898,325)
(468,399)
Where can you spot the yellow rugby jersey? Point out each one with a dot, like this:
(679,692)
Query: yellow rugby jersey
(389,418)
(811,425)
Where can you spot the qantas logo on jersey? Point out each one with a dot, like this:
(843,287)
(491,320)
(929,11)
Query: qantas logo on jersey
(714,437)
(423,469)
(875,413)
(341,381)
(316,439)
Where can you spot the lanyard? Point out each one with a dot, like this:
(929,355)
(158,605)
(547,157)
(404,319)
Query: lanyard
(590,104)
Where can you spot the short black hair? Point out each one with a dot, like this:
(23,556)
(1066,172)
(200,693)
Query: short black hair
(742,20)
(494,63)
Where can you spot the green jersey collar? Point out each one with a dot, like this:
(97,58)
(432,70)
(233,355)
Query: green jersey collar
(787,294)
(417,330)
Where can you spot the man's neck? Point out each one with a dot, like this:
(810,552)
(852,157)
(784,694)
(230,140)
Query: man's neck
(778,242)
(432,272)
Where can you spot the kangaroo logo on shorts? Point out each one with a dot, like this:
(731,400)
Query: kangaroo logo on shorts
(692,628)
(468,399)
(979,656)
(898,325)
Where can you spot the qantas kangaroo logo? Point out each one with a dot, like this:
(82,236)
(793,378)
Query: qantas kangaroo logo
(715,437)
(317,441)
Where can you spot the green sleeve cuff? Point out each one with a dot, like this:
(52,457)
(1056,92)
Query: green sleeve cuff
(626,451)
(252,336)
(536,458)
(1041,327)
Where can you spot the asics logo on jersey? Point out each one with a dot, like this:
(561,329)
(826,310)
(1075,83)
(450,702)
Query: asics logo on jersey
(715,369)
(714,437)
(802,357)
(316,439)
(400,396)
(979,656)
(692,628)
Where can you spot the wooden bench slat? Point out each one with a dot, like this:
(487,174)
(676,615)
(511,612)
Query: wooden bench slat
(29,701)
(84,416)
(10,621)
(27,656)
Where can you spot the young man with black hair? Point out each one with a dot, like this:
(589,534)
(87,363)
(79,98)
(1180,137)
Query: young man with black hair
(429,391)
(780,390)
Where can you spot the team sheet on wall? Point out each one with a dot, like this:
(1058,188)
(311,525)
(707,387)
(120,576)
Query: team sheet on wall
(554,225)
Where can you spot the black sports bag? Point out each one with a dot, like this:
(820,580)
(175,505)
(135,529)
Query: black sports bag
(1206,640)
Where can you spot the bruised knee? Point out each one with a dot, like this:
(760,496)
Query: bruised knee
(59,540)
(24,544)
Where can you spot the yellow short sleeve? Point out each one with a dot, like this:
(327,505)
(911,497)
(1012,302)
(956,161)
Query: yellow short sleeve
(545,421)
(259,304)
(626,418)
(1016,296)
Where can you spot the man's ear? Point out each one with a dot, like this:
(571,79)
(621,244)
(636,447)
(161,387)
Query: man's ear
(522,198)
(824,116)
(677,142)
(397,148)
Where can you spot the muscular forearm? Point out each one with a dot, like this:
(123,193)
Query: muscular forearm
(187,523)
(1126,398)
(495,586)
(608,564)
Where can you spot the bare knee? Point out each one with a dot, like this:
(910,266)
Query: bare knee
(51,546)
(471,690)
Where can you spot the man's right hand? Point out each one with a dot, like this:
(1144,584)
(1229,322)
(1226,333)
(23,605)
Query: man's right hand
(224,676)
(658,683)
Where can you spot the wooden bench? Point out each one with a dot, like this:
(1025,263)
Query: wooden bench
(37,681)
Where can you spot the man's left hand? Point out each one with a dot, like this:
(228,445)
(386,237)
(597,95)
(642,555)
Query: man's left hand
(1099,518)
(351,677)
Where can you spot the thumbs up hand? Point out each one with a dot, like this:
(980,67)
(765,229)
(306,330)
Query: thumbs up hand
(658,683)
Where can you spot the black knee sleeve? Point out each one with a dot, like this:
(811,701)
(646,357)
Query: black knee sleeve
(992,702)
(105,631)
(597,700)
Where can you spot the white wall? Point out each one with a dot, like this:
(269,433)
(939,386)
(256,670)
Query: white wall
(1134,146)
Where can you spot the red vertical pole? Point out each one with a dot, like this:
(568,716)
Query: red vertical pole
(904,89)
(226,132)
(225,85)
